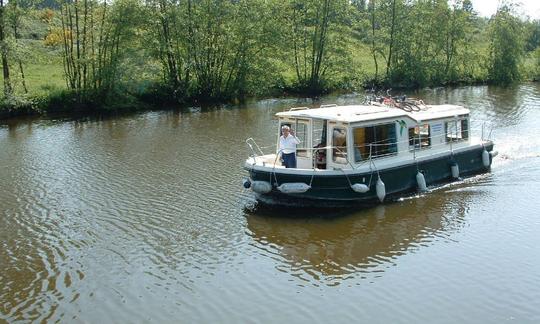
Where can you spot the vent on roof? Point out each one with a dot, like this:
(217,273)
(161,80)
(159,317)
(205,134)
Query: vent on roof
(298,108)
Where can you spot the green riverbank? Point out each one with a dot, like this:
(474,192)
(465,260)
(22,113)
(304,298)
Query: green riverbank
(129,55)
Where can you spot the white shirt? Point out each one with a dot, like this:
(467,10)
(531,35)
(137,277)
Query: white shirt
(287,144)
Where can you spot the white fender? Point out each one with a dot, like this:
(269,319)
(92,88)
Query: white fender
(421,181)
(494,153)
(360,187)
(294,187)
(455,170)
(261,187)
(485,158)
(381,190)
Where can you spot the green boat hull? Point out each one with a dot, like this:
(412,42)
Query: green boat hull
(397,180)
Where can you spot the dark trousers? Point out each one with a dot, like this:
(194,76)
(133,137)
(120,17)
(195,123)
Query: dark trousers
(289,160)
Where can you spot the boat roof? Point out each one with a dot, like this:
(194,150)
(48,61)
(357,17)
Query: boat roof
(359,113)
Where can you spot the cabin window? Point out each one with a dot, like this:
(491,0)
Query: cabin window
(319,133)
(319,143)
(457,130)
(379,140)
(420,137)
(301,132)
(339,145)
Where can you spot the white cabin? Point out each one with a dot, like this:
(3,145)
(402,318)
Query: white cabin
(345,137)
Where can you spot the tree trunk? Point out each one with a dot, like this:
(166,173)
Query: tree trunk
(373,51)
(8,90)
(391,45)
(15,24)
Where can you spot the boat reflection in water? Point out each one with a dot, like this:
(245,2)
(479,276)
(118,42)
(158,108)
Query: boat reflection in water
(356,243)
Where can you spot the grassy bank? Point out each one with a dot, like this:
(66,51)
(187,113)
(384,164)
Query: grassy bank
(251,51)
(47,91)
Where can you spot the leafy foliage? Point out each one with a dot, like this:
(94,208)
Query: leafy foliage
(506,48)
(114,53)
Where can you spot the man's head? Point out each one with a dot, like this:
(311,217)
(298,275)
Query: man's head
(285,129)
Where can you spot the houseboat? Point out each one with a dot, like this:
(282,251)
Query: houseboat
(363,153)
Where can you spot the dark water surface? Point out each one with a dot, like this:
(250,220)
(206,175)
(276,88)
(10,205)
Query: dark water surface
(143,219)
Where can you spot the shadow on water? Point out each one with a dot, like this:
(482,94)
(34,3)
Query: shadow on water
(299,208)
(333,245)
(501,104)
(195,108)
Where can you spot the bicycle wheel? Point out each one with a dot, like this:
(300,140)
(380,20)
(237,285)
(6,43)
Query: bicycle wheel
(406,107)
(415,107)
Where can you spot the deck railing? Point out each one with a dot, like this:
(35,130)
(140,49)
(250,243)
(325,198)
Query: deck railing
(351,158)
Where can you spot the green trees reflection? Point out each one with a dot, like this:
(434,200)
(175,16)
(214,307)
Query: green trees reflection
(159,51)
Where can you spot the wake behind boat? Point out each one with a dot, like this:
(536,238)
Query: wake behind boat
(363,153)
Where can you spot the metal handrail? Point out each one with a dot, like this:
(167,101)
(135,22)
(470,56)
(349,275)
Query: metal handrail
(257,150)
(250,141)
(483,131)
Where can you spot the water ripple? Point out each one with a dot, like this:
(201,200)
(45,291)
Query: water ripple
(143,219)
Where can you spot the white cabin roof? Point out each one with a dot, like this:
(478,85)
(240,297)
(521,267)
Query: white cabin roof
(359,113)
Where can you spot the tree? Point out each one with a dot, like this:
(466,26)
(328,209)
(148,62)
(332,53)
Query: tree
(533,35)
(8,90)
(506,47)
(94,39)
(360,5)
(15,15)
(313,40)
(387,17)
(166,22)
(392,35)
(210,49)
(536,55)
(468,6)
(421,42)
(374,49)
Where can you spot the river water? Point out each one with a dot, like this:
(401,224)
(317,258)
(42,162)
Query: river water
(143,219)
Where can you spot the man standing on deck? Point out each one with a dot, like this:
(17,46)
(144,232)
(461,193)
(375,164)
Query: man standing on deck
(287,147)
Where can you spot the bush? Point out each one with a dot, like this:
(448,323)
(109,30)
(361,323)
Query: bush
(17,105)
(536,56)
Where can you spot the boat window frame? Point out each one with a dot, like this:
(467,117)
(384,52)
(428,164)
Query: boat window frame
(319,141)
(334,148)
(420,145)
(319,144)
(461,132)
(393,150)
(303,151)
